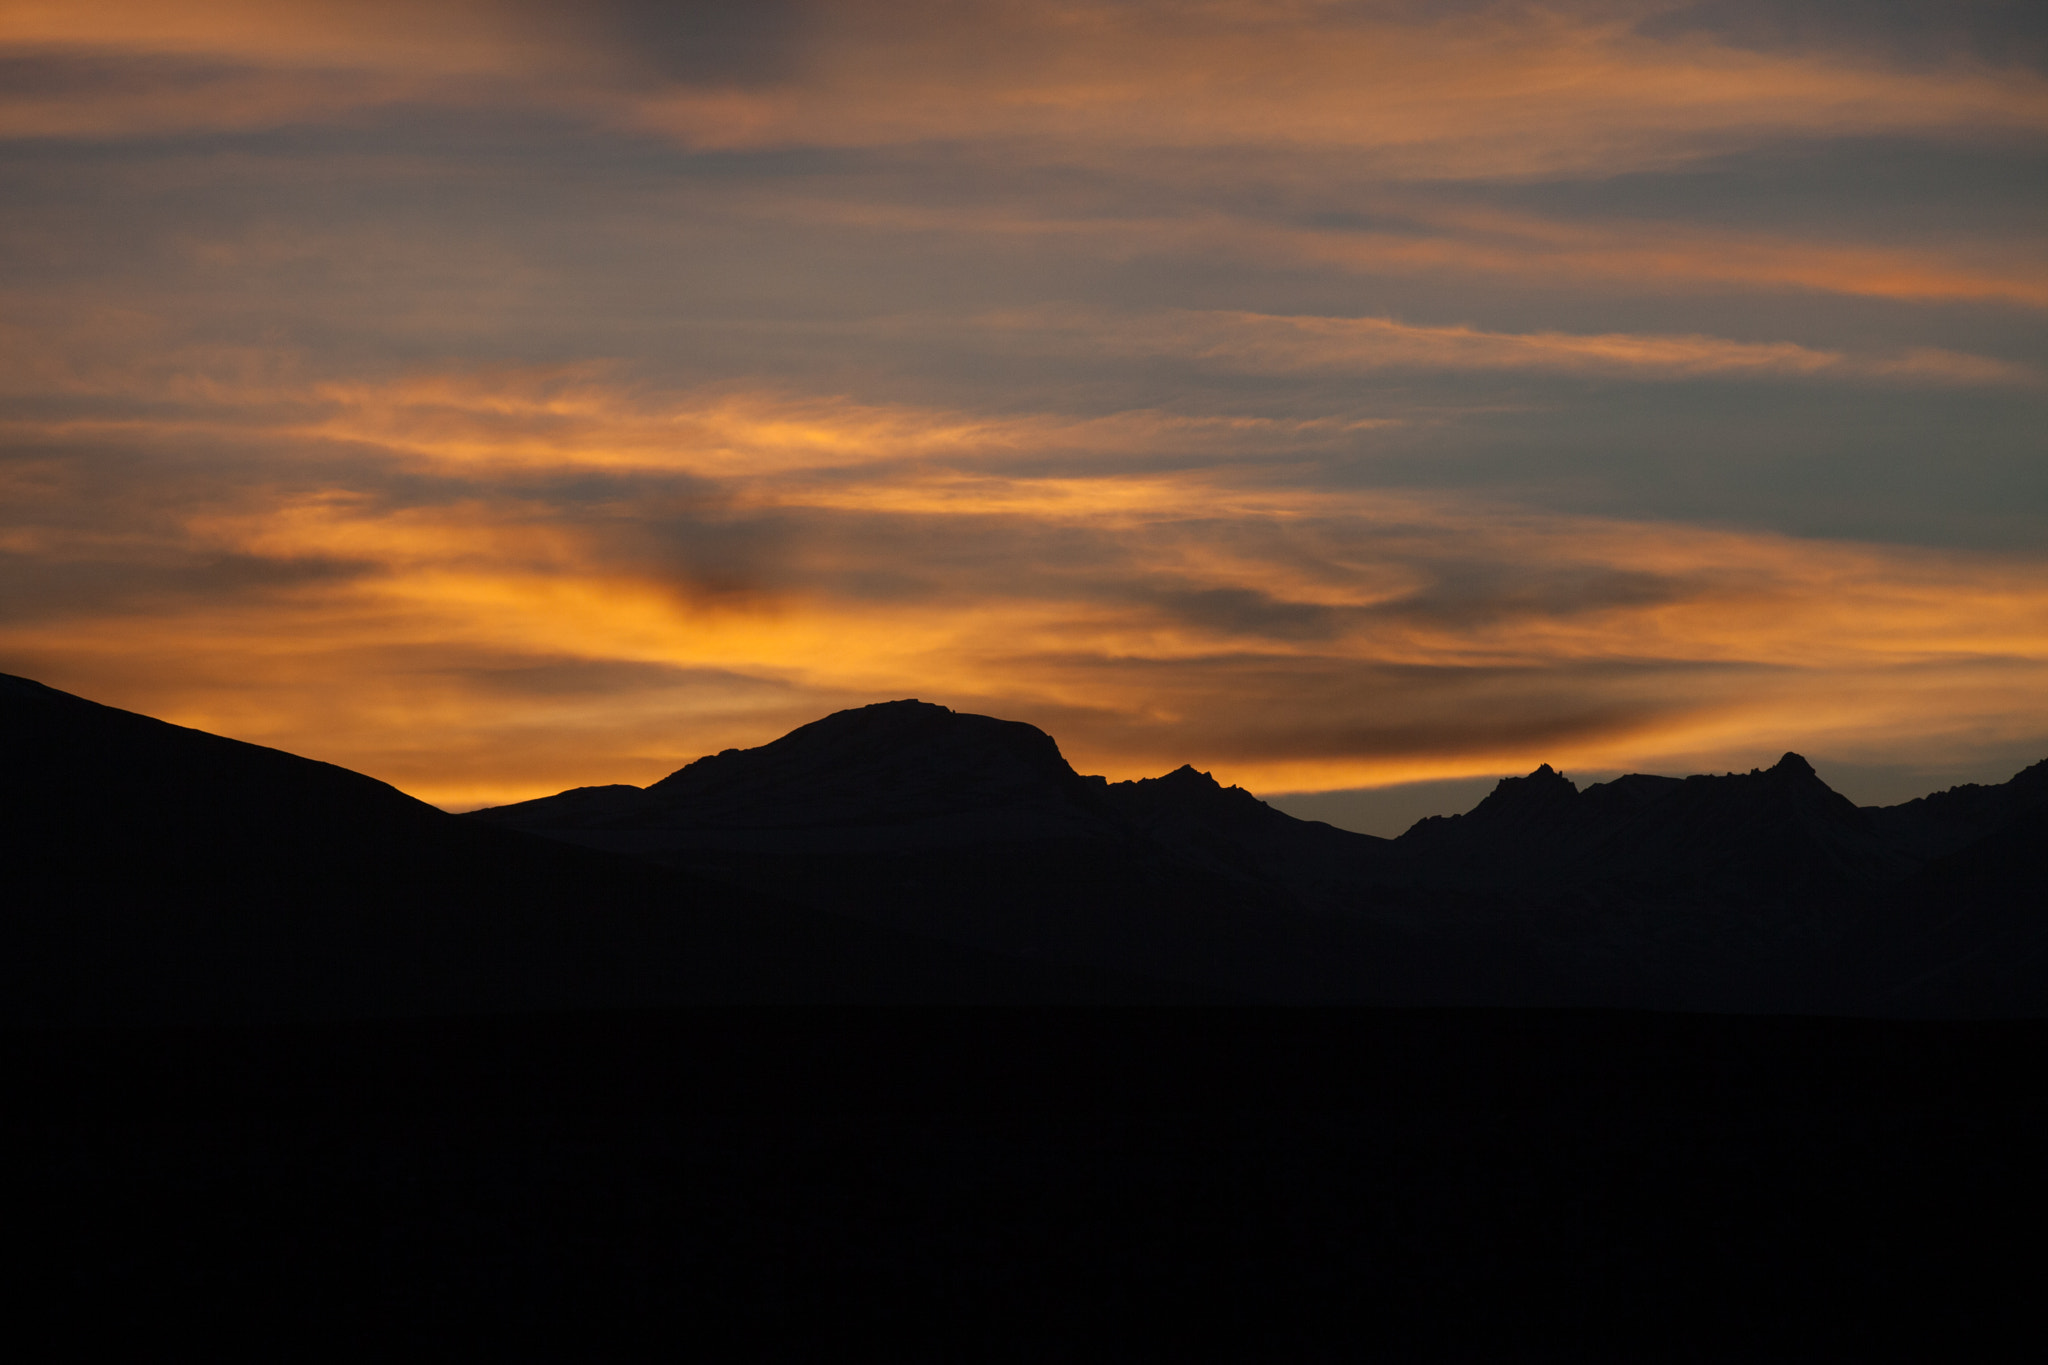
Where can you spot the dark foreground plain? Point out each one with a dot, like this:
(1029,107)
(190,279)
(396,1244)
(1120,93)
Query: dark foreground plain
(1025,1184)
(289,1054)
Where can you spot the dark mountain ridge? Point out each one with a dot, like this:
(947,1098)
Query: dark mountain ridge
(908,774)
(1739,890)
(903,851)
(902,774)
(503,1115)
(157,873)
(1945,822)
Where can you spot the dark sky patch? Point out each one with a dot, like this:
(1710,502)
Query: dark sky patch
(1912,33)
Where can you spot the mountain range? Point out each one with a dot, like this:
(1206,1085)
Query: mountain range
(907,853)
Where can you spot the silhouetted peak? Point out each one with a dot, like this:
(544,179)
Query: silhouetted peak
(1189,800)
(908,714)
(1792,777)
(1546,786)
(894,762)
(886,733)
(1790,767)
(1538,800)
(1185,783)
(1545,779)
(894,716)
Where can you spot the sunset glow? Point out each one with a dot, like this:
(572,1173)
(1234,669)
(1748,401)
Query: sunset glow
(496,398)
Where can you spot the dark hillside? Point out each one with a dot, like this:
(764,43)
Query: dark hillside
(1759,891)
(906,852)
(1778,832)
(1971,928)
(903,774)
(156,872)
(533,1144)
(1946,822)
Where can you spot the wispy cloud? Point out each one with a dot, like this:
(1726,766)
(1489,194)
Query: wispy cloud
(499,396)
(1488,90)
(1265,343)
(1502,90)
(1217,612)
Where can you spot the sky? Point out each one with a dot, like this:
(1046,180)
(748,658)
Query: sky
(1363,399)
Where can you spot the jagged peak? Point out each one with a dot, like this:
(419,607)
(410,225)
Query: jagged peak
(1186,778)
(1513,799)
(1545,781)
(1188,793)
(1794,765)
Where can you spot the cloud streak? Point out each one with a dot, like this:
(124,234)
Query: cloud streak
(1288,635)
(1474,91)
(1292,345)
(499,396)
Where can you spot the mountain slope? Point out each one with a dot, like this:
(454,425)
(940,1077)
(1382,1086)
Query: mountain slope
(1946,822)
(1749,891)
(1772,832)
(1776,832)
(1968,932)
(895,775)
(976,830)
(157,873)
(904,852)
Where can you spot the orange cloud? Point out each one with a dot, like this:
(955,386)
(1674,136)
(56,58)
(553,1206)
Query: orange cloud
(1507,91)
(486,578)
(1287,636)
(1346,101)
(1646,257)
(1295,344)
(443,38)
(1504,91)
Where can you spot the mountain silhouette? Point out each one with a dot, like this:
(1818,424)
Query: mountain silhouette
(1946,822)
(1971,926)
(1733,891)
(496,1089)
(976,830)
(161,873)
(905,852)
(1542,821)
(901,774)
(1770,832)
